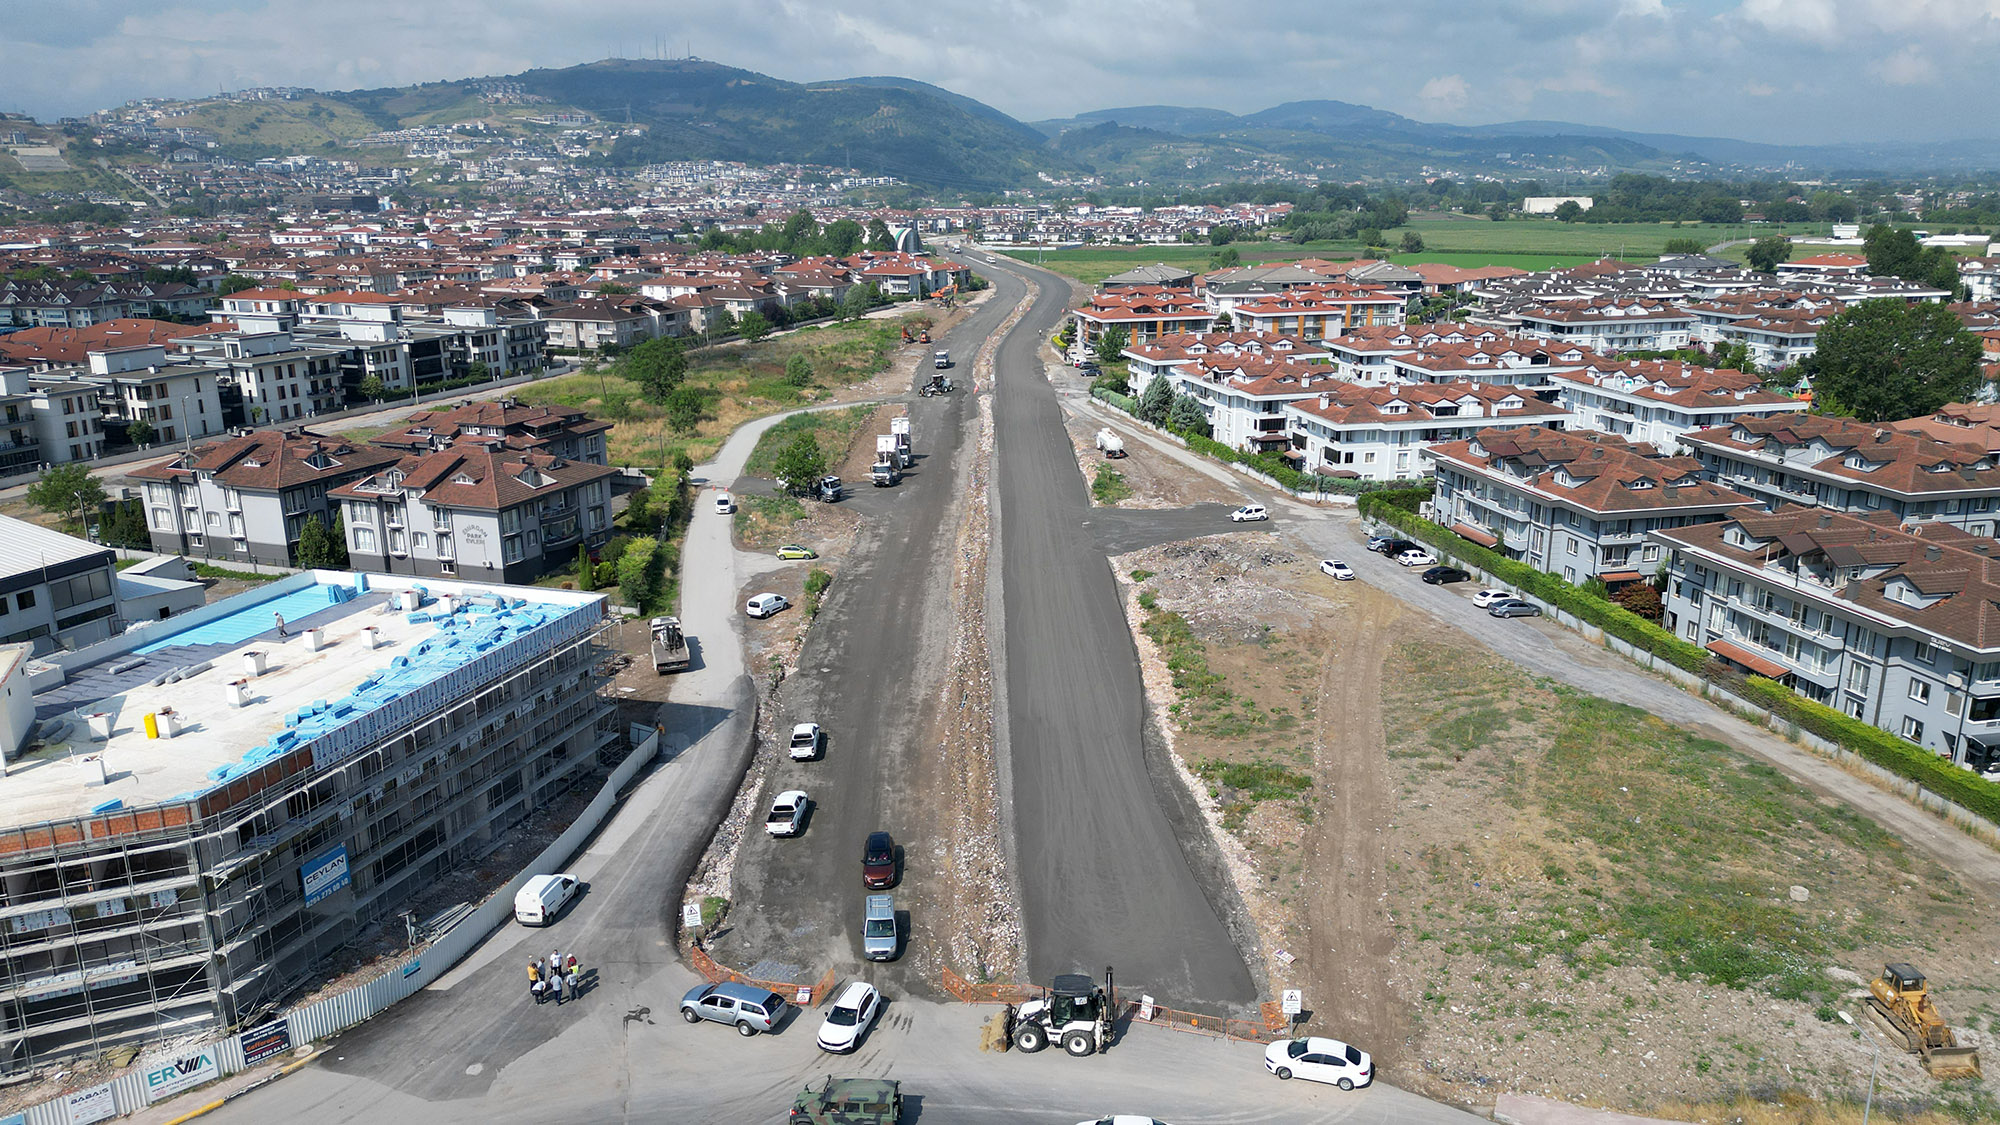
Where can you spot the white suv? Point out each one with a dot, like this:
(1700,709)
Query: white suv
(1249,512)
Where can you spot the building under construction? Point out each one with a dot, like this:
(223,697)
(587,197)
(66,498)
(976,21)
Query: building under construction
(207,806)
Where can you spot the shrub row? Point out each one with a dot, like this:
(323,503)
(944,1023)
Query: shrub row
(1126,403)
(1615,620)
(1878,746)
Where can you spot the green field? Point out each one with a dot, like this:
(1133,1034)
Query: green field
(1529,244)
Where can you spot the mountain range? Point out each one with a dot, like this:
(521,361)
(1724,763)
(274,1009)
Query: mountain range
(929,136)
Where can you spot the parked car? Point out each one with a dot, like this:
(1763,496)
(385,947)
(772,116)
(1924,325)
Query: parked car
(1336,569)
(1249,513)
(788,813)
(878,861)
(849,1017)
(1123,1119)
(794,551)
(1377,542)
(1442,575)
(878,928)
(724,503)
(764,605)
(1514,607)
(1392,547)
(1485,598)
(1320,1060)
(805,742)
(748,1008)
(1416,556)
(542,897)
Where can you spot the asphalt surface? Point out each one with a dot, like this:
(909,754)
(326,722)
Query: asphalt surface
(867,675)
(1106,878)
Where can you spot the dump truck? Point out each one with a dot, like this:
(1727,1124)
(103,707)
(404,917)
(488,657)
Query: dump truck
(1901,1001)
(899,428)
(884,473)
(1110,443)
(888,447)
(1071,1011)
(670,646)
(849,1101)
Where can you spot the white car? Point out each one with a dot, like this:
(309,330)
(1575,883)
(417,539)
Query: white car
(724,503)
(853,1012)
(1414,557)
(1249,512)
(1320,1060)
(1485,598)
(805,742)
(764,605)
(788,813)
(1336,569)
(1124,1119)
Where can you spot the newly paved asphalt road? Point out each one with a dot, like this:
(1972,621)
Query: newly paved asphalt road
(1105,877)
(867,674)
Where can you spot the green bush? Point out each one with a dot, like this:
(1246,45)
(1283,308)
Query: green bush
(817,581)
(1901,758)
(1126,403)
(1614,620)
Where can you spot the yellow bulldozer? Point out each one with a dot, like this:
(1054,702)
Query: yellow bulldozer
(1902,1004)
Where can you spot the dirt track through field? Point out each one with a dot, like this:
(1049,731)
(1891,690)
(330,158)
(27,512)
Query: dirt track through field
(1349,966)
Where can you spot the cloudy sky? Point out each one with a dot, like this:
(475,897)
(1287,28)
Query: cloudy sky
(1771,70)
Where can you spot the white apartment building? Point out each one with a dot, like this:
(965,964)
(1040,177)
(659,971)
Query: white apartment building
(1656,401)
(1384,433)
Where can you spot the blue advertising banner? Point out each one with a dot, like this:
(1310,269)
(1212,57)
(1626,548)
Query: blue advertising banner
(324,875)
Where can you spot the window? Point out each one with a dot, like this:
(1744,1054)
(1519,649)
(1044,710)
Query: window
(1569,574)
(1572,546)
(1912,729)
(1920,691)
(364,538)
(24,600)
(1857,677)
(1924,654)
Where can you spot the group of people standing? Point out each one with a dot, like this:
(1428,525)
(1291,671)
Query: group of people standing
(555,977)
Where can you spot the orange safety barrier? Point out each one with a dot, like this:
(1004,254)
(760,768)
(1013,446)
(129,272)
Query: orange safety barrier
(993,992)
(714,973)
(1252,1031)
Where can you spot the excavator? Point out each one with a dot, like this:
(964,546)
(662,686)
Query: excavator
(1901,1001)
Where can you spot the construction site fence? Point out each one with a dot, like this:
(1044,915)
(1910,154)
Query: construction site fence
(157,1076)
(804,995)
(1271,1024)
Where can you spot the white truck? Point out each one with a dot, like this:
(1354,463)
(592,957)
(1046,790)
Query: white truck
(670,647)
(1110,443)
(899,428)
(882,474)
(788,813)
(941,359)
(890,450)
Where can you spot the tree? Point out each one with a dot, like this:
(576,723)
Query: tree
(1683,246)
(1765,253)
(753,326)
(586,577)
(1221,234)
(858,300)
(1156,403)
(639,509)
(371,387)
(139,432)
(1110,346)
(1413,243)
(613,289)
(842,237)
(722,323)
(1187,417)
(879,237)
(1224,259)
(1568,211)
(801,464)
(686,406)
(1887,359)
(236,283)
(1497,212)
(321,547)
(658,365)
(798,370)
(1642,599)
(478,371)
(1370,236)
(67,489)
(639,573)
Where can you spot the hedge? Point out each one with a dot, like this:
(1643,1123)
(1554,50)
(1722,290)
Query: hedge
(1901,758)
(1126,403)
(1614,620)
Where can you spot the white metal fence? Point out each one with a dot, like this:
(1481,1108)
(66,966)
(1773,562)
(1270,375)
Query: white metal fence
(129,1093)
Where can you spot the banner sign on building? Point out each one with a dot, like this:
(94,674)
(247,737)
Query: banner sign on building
(14,1119)
(324,875)
(183,1073)
(94,1104)
(260,1043)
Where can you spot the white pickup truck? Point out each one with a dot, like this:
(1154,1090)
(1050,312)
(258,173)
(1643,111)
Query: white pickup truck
(788,813)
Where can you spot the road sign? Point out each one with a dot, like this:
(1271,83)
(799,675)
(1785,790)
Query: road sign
(691,914)
(1293,1001)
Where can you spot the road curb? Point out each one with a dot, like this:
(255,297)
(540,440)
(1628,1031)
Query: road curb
(225,1099)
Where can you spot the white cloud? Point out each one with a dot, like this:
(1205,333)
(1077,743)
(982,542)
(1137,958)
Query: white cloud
(1445,93)
(1656,9)
(1907,67)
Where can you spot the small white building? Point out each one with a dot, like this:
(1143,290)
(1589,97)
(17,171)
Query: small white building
(1547,204)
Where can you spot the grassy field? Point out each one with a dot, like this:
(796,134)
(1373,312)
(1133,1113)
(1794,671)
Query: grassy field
(1529,244)
(742,381)
(833,429)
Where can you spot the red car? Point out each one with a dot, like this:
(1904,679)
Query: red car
(878,861)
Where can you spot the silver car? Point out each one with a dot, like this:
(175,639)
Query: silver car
(748,1008)
(878,928)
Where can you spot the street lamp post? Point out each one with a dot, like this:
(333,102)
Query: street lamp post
(1869,1105)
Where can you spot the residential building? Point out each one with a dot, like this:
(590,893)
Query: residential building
(180,401)
(302,790)
(1892,625)
(1318,312)
(1850,466)
(1825,266)
(266,377)
(246,499)
(1244,396)
(61,415)
(1161,355)
(1654,401)
(506,423)
(1573,504)
(1144,312)
(1384,433)
(1609,325)
(474,510)
(1505,362)
(1366,355)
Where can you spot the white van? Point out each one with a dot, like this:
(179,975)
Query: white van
(724,503)
(539,901)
